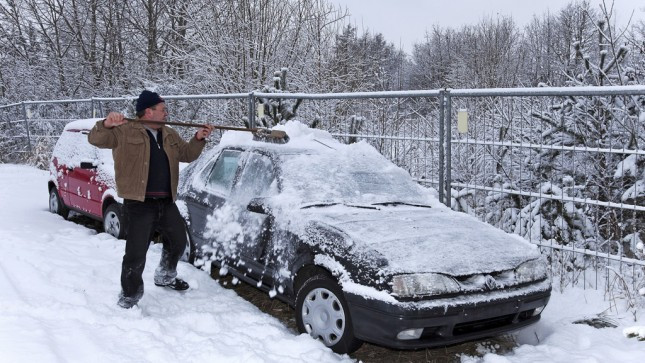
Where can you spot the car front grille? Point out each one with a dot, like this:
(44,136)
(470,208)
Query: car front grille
(482,325)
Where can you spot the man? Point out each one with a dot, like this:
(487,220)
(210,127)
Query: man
(146,166)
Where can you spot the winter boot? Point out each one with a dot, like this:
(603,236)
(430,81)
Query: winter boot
(175,284)
(127,302)
(166,276)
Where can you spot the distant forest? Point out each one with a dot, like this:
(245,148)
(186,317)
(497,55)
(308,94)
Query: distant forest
(53,49)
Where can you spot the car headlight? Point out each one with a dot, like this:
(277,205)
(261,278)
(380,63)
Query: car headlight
(531,271)
(423,284)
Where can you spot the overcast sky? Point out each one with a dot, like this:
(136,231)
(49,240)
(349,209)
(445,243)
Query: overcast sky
(404,22)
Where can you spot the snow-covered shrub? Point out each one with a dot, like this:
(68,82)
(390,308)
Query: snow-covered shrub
(277,111)
(41,153)
(553,220)
(502,208)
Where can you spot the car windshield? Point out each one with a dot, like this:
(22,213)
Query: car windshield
(348,178)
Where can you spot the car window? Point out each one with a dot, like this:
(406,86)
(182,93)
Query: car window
(223,172)
(73,148)
(257,179)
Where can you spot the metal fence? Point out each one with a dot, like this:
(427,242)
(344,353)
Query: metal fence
(562,167)
(28,130)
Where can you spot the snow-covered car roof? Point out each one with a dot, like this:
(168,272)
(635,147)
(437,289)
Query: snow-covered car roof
(316,168)
(72,148)
(81,125)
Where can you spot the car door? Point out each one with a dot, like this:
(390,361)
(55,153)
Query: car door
(62,160)
(257,180)
(62,179)
(84,193)
(209,192)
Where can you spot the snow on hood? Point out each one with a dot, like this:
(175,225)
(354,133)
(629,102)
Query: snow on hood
(414,239)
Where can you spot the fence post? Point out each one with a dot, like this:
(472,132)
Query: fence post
(101,113)
(251,110)
(24,114)
(448,125)
(442,101)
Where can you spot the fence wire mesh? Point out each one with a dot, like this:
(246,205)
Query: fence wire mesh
(563,171)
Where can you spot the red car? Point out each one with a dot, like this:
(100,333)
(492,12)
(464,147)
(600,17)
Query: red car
(82,179)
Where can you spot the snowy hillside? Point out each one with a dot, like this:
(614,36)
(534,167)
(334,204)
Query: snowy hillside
(59,283)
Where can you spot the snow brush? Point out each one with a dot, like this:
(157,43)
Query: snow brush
(259,133)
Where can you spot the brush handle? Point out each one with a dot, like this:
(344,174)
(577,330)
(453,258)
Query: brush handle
(266,132)
(189,124)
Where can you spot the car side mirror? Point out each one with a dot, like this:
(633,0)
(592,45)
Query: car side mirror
(87,165)
(257,205)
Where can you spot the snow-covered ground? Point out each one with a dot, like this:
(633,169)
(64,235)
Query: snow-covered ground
(59,283)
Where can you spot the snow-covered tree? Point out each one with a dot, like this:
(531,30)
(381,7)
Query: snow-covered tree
(364,63)
(602,122)
(483,55)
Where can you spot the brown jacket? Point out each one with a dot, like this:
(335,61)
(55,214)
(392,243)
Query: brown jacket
(130,146)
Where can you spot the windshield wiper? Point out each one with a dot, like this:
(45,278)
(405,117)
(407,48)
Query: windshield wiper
(402,203)
(316,205)
(360,206)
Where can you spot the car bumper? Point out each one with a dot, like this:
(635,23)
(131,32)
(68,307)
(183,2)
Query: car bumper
(445,323)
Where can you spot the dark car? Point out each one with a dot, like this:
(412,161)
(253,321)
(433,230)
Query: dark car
(360,250)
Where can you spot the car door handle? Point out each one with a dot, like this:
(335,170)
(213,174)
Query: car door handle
(190,199)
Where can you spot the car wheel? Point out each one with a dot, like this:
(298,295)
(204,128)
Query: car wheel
(56,204)
(189,251)
(321,311)
(113,221)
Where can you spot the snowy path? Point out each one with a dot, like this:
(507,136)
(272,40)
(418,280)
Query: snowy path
(59,284)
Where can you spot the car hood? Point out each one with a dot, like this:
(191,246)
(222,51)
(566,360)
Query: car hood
(414,239)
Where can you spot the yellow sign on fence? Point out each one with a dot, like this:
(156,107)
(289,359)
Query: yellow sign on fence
(462,121)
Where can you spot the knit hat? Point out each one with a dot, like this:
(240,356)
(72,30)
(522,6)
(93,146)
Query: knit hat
(147,99)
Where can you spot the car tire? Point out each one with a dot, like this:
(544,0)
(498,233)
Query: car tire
(189,251)
(322,312)
(114,221)
(56,205)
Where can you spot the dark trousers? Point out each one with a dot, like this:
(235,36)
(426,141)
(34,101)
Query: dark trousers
(143,219)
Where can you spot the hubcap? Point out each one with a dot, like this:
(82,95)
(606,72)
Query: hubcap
(323,316)
(111,224)
(53,202)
